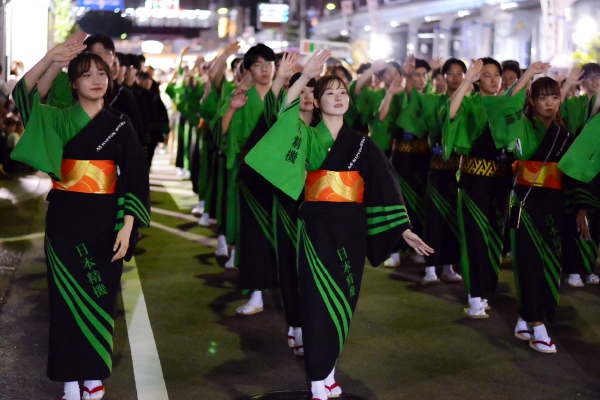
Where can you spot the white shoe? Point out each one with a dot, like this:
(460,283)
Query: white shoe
(574,280)
(186,175)
(162,151)
(429,279)
(179,171)
(204,220)
(475,313)
(592,279)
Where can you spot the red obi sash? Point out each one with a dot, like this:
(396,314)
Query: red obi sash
(87,176)
(549,176)
(334,186)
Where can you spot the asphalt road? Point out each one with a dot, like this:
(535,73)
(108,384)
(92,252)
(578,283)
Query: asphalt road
(177,335)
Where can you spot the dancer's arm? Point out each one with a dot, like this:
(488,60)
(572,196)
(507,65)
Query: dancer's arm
(472,76)
(312,69)
(377,66)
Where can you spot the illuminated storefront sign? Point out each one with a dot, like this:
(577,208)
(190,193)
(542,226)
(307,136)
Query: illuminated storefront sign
(272,15)
(105,5)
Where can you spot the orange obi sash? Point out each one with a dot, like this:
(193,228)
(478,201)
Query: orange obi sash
(549,176)
(334,186)
(87,176)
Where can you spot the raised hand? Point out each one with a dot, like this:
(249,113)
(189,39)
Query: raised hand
(538,67)
(416,243)
(436,63)
(314,66)
(246,82)
(575,77)
(65,53)
(232,48)
(409,65)
(75,39)
(474,71)
(397,85)
(239,99)
(287,65)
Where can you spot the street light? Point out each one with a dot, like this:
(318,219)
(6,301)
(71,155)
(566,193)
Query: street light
(222,11)
(330,6)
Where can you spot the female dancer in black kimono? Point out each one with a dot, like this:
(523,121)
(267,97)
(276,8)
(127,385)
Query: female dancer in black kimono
(99,198)
(353,208)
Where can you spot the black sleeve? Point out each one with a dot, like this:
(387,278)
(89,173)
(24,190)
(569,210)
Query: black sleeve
(386,214)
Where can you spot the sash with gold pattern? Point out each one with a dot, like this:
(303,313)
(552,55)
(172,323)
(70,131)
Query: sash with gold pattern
(549,176)
(347,186)
(87,176)
(437,162)
(483,167)
(412,146)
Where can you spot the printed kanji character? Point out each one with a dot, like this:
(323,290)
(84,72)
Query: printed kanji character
(352,291)
(510,119)
(291,156)
(346,267)
(350,279)
(100,290)
(553,231)
(549,220)
(342,254)
(82,250)
(94,277)
(297,142)
(88,263)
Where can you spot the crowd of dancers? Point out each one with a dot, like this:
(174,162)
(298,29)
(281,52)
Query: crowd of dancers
(308,172)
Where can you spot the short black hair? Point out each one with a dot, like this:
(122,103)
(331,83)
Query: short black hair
(297,76)
(511,65)
(131,60)
(419,63)
(141,58)
(452,61)
(363,67)
(104,40)
(122,58)
(1,69)
(436,72)
(590,68)
(344,71)
(490,60)
(260,50)
(394,64)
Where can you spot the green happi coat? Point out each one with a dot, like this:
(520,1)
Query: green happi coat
(536,243)
(424,116)
(483,191)
(333,237)
(254,240)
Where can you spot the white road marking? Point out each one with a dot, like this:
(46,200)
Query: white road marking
(211,242)
(36,235)
(28,187)
(147,371)
(174,214)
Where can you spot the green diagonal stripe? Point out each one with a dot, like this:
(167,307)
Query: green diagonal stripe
(372,210)
(375,231)
(264,220)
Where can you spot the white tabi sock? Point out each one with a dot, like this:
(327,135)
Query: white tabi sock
(201,204)
(574,276)
(395,257)
(91,385)
(72,391)
(522,325)
(475,303)
(231,262)
(318,390)
(221,246)
(291,338)
(256,299)
(331,386)
(299,350)
(204,220)
(430,271)
(540,333)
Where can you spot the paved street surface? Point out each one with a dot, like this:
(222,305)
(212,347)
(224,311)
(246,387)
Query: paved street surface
(177,335)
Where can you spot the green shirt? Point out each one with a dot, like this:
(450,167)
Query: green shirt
(47,130)
(422,115)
